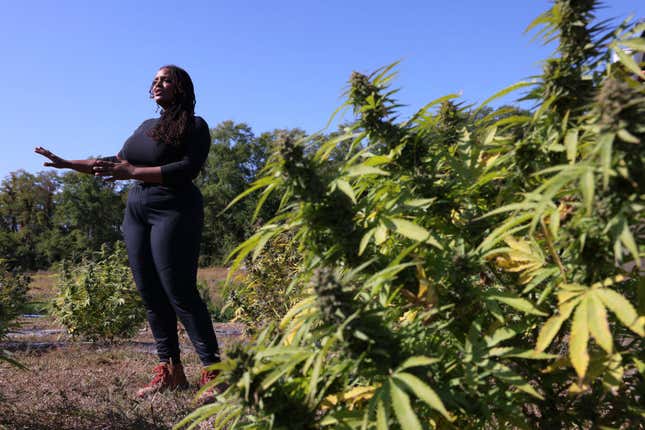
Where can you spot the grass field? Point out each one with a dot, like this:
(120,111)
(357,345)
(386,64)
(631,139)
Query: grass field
(79,385)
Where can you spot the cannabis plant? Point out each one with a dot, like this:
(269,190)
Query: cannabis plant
(462,273)
(13,298)
(97,299)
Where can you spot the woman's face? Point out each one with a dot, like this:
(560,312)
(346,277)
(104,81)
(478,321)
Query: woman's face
(163,88)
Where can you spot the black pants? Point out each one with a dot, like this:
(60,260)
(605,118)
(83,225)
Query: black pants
(162,228)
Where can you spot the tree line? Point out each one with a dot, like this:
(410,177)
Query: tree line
(50,216)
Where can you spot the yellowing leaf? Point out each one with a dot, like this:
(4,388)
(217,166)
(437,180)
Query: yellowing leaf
(576,388)
(548,331)
(408,317)
(598,324)
(579,338)
(565,295)
(350,397)
(623,310)
(610,281)
(519,245)
(380,235)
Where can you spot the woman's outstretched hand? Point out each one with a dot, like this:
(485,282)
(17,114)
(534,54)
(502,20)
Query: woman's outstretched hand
(55,160)
(114,171)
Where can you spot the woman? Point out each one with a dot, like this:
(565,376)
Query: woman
(163,222)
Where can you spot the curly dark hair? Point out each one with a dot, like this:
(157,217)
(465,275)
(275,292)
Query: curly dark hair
(177,120)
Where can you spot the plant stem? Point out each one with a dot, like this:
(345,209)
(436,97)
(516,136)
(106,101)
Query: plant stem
(554,254)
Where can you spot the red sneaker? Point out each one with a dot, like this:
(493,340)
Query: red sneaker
(168,376)
(208,396)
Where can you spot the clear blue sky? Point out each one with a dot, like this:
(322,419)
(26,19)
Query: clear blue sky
(76,73)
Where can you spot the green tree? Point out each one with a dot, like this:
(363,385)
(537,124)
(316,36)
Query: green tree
(26,213)
(88,214)
(234,161)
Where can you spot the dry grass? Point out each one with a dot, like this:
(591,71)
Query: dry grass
(78,385)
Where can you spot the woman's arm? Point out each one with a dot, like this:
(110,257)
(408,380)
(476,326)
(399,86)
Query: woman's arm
(122,170)
(83,166)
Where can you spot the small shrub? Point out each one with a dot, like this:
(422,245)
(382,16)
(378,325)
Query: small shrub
(13,299)
(97,299)
(269,287)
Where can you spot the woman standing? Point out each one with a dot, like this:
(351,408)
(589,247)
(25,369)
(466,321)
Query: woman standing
(163,222)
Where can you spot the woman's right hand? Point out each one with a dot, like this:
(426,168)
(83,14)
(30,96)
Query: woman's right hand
(55,160)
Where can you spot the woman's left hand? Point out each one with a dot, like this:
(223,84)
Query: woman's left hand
(114,171)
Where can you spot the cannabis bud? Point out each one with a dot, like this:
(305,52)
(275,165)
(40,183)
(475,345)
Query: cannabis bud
(335,301)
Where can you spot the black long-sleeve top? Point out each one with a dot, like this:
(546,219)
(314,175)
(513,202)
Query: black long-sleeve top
(180,164)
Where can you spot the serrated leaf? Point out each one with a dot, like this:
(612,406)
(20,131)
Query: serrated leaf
(503,92)
(362,169)
(571,144)
(381,416)
(423,392)
(518,303)
(506,374)
(548,331)
(365,240)
(413,231)
(587,189)
(628,61)
(626,136)
(402,408)
(623,310)
(554,223)
(417,361)
(598,324)
(530,354)
(500,335)
(579,338)
(640,365)
(540,277)
(627,239)
(380,235)
(347,189)
(417,203)
(605,143)
(635,44)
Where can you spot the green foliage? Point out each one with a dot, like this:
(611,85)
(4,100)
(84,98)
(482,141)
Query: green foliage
(13,299)
(97,299)
(467,270)
(269,286)
(46,217)
(88,213)
(26,215)
(235,158)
